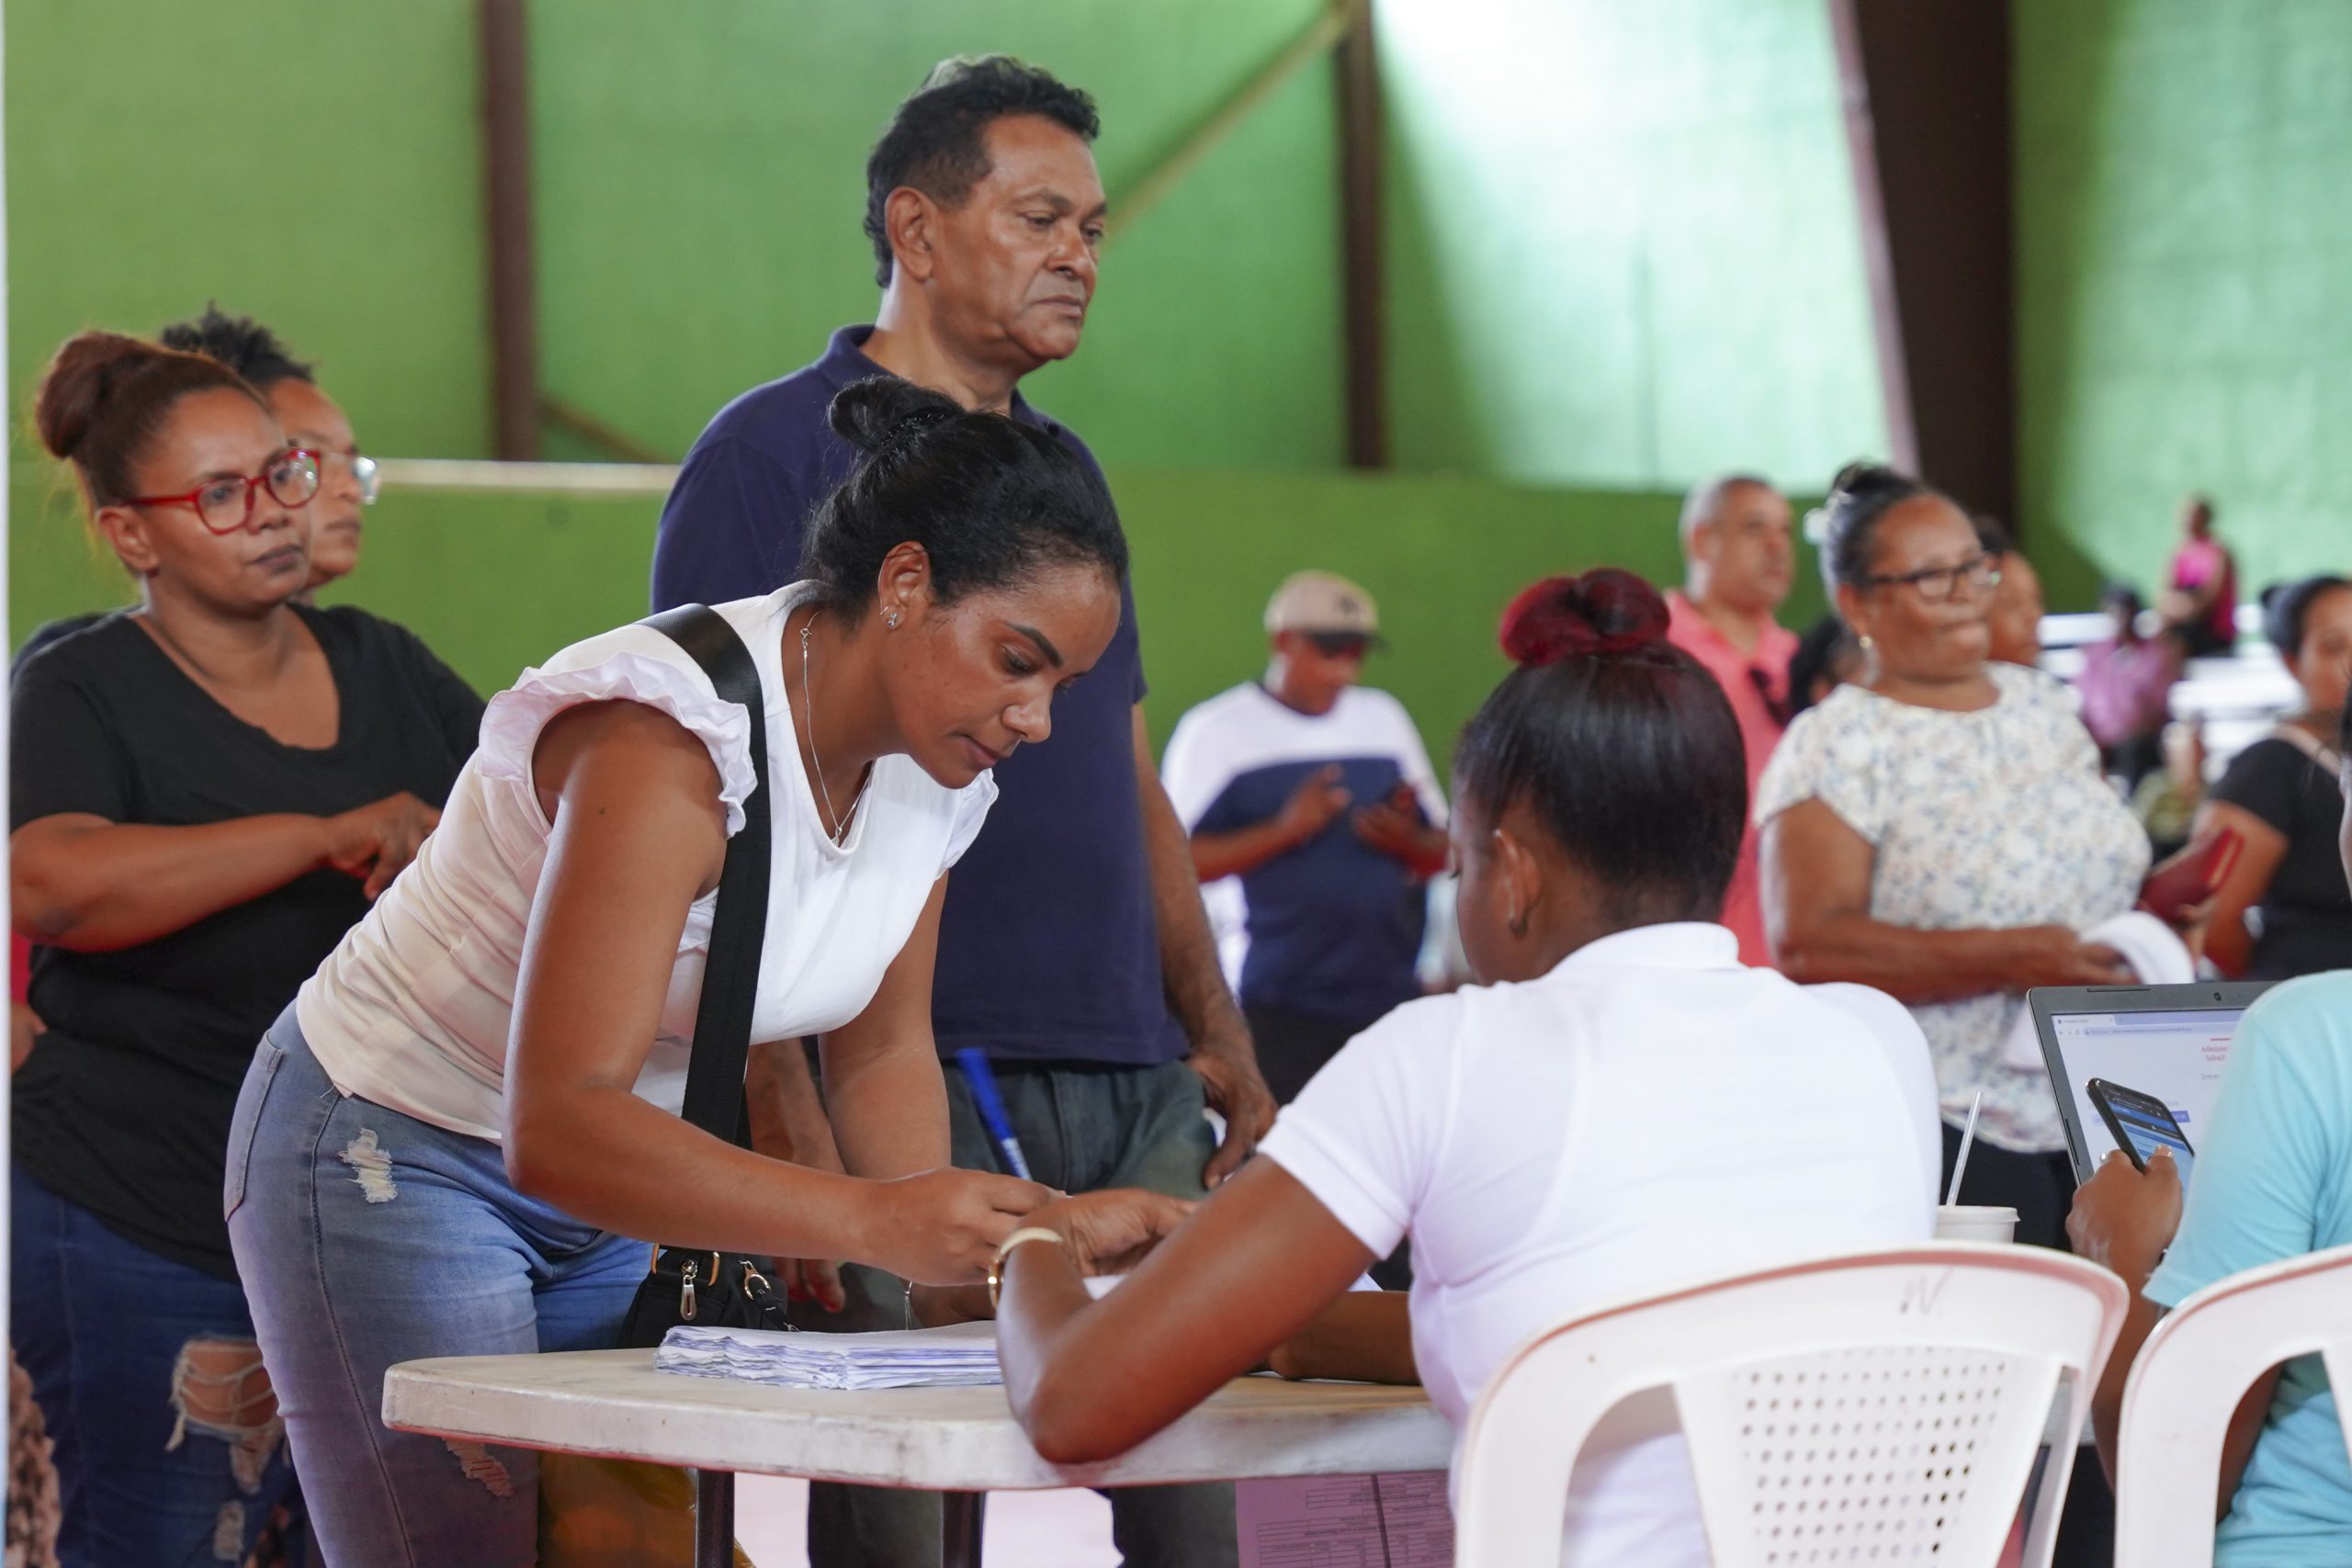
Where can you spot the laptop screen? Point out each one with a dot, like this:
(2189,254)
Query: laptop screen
(2173,1057)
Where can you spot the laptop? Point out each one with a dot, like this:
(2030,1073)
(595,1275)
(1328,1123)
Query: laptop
(2169,1043)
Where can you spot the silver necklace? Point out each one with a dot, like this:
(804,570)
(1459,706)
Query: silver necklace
(809,705)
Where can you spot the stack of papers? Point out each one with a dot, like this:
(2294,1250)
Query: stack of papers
(961,1355)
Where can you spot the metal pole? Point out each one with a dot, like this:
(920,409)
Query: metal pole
(1364,281)
(507,230)
(1313,44)
(1878,253)
(962,1519)
(714,1519)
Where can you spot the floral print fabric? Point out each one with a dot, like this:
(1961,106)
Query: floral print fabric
(1981,820)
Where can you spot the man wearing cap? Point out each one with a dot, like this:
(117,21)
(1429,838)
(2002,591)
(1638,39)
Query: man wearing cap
(1315,796)
(1738,562)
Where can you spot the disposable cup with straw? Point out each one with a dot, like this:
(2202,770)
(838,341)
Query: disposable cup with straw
(1956,1221)
(1967,1142)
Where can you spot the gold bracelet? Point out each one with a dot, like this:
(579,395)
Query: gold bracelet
(1025,1235)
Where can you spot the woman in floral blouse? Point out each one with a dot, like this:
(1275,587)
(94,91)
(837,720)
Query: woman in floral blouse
(1938,830)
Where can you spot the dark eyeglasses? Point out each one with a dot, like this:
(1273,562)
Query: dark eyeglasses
(226,504)
(1938,585)
(1339,644)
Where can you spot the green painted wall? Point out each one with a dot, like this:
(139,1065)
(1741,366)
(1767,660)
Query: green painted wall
(701,187)
(1625,241)
(314,164)
(493,583)
(700,183)
(2184,311)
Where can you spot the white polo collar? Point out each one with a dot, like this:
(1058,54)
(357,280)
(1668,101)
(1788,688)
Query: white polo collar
(1679,944)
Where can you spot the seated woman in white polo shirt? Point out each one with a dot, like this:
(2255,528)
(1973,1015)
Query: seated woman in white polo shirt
(1620,1106)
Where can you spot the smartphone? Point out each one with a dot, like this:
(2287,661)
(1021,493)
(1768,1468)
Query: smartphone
(2142,1125)
(2191,876)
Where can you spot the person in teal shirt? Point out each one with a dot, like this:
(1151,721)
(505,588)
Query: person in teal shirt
(2274,1181)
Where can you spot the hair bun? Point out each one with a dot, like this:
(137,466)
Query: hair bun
(1601,613)
(884,409)
(73,393)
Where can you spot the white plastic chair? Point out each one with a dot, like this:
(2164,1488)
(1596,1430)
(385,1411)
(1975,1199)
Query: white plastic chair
(1881,1406)
(2190,1376)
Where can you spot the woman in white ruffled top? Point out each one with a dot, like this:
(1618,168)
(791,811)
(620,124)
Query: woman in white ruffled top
(444,1145)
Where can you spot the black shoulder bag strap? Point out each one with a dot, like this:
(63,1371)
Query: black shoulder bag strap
(709,1288)
(730,980)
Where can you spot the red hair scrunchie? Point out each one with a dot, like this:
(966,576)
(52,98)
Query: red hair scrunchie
(1601,613)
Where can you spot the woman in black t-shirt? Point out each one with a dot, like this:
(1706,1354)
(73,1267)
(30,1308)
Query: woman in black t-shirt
(2284,911)
(205,791)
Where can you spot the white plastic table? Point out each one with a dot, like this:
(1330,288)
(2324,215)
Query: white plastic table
(961,1441)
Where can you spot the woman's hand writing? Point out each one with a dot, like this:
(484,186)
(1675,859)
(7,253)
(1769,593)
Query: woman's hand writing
(1103,1232)
(942,1227)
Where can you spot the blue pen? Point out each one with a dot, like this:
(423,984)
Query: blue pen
(977,1073)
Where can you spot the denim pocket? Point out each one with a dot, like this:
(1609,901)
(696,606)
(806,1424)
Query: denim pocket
(249,1101)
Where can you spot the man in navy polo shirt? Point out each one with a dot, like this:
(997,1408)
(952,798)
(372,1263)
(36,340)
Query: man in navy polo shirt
(1074,928)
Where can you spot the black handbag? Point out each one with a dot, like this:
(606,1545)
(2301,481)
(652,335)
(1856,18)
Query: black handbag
(685,1285)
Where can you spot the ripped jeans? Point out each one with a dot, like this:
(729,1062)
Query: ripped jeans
(168,1451)
(368,1238)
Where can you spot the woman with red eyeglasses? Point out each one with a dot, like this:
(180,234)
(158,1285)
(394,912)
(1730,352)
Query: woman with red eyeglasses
(207,790)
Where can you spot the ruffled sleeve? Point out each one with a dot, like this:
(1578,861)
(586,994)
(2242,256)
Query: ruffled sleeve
(511,726)
(1830,754)
(972,803)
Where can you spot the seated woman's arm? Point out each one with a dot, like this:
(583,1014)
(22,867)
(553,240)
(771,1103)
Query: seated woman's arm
(638,835)
(1250,1268)
(1364,1337)
(81,881)
(1816,879)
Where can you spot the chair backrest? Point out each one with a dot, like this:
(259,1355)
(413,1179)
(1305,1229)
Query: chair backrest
(2190,1375)
(1880,1406)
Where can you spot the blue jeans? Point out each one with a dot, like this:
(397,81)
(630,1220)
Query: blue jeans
(366,1238)
(163,1459)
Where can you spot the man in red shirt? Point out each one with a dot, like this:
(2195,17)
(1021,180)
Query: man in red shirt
(1738,558)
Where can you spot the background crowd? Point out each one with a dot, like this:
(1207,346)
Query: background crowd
(223,796)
